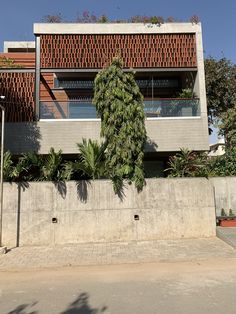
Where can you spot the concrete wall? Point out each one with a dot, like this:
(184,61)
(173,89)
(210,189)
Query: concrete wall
(225,193)
(165,135)
(90,212)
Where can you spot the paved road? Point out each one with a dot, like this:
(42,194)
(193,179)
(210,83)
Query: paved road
(159,288)
(184,276)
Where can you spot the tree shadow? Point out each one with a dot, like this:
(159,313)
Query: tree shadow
(150,145)
(81,306)
(82,190)
(24,309)
(21,186)
(21,131)
(119,186)
(22,137)
(61,188)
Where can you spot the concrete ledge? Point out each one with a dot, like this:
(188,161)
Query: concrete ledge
(115,28)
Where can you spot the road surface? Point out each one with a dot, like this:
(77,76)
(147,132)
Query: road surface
(159,288)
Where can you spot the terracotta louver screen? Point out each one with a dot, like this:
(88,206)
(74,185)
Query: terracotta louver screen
(18,89)
(136,50)
(24,60)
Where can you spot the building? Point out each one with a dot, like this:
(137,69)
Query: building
(49,96)
(217,149)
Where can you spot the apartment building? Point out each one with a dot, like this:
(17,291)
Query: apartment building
(48,84)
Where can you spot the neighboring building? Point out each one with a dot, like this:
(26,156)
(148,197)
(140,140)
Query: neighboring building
(49,98)
(217,149)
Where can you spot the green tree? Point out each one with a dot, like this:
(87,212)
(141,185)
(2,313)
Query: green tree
(220,87)
(224,165)
(221,96)
(120,104)
(227,126)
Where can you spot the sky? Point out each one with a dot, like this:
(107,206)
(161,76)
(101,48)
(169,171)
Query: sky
(217,18)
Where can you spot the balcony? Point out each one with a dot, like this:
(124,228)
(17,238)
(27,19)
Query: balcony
(159,108)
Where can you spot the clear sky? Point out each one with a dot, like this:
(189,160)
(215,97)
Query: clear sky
(217,17)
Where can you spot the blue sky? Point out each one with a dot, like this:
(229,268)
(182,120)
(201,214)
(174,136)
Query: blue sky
(217,17)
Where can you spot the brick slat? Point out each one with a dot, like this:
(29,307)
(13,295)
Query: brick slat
(136,50)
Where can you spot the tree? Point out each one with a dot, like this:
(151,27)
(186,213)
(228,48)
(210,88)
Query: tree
(224,165)
(120,104)
(221,96)
(220,86)
(227,126)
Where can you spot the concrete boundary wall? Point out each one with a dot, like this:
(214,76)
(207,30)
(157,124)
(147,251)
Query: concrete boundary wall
(91,212)
(225,193)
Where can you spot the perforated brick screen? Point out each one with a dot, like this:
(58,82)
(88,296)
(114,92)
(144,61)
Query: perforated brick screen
(18,89)
(136,50)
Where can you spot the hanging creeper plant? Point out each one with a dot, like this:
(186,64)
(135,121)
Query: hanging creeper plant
(119,103)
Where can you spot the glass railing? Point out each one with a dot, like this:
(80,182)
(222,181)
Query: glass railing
(67,110)
(86,110)
(172,107)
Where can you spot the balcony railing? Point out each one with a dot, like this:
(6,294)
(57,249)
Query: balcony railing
(173,107)
(86,110)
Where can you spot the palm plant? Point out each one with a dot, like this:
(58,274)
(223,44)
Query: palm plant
(91,159)
(188,164)
(8,166)
(29,167)
(52,169)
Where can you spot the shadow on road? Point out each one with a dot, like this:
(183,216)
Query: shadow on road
(79,306)
(24,309)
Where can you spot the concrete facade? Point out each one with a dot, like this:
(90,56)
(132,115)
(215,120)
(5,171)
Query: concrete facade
(91,212)
(172,135)
(115,28)
(18,45)
(164,134)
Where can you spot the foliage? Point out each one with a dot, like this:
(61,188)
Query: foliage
(88,17)
(52,167)
(227,126)
(187,93)
(52,18)
(188,163)
(223,212)
(29,167)
(224,165)
(91,159)
(8,166)
(194,19)
(147,19)
(220,87)
(120,104)
(8,63)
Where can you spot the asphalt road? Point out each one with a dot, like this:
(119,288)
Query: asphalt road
(181,287)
